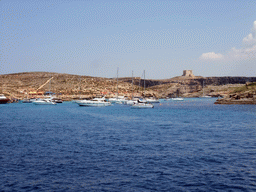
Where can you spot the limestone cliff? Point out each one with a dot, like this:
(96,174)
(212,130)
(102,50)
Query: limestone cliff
(69,87)
(243,95)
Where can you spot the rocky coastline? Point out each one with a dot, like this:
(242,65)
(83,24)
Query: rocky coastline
(244,95)
(70,87)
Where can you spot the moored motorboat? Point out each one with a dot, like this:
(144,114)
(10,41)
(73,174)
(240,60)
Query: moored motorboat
(177,99)
(3,99)
(142,105)
(118,100)
(152,100)
(96,102)
(45,101)
(131,102)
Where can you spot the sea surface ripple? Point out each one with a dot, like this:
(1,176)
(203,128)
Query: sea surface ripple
(190,145)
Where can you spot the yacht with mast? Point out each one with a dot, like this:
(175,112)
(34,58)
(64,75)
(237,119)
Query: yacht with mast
(133,100)
(96,102)
(118,99)
(177,98)
(143,104)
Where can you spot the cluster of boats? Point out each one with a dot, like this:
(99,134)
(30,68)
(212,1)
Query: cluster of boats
(43,101)
(135,102)
(97,102)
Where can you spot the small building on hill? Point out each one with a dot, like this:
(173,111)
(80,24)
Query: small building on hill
(188,73)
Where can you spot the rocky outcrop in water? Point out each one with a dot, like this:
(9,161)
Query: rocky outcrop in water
(244,95)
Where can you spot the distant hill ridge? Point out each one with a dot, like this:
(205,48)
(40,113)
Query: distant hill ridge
(68,85)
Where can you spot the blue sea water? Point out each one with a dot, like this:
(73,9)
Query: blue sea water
(190,145)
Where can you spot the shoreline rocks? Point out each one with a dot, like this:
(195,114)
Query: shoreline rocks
(242,95)
(68,87)
(236,101)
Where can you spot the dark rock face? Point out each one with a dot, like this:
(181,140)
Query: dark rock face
(236,101)
(228,80)
(193,81)
(17,85)
(183,85)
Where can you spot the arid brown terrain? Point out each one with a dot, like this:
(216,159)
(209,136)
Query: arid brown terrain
(70,87)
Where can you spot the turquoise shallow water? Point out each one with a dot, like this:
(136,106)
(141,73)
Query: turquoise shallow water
(191,145)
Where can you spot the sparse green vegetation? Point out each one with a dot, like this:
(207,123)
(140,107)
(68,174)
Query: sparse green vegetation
(249,87)
(252,84)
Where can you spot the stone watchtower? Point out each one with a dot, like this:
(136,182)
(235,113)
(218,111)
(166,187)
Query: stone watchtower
(188,73)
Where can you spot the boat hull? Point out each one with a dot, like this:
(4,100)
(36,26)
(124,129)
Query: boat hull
(177,99)
(130,102)
(117,101)
(4,101)
(26,101)
(44,103)
(142,106)
(152,101)
(93,103)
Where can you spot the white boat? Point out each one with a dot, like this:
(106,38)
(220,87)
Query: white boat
(131,102)
(31,100)
(118,100)
(45,101)
(142,103)
(177,99)
(48,100)
(3,99)
(96,102)
(152,100)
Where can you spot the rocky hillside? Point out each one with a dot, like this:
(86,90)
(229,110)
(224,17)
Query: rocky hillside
(245,94)
(69,87)
(65,86)
(197,86)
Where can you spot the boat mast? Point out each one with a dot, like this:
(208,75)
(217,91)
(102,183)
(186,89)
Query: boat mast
(80,87)
(117,84)
(203,88)
(144,85)
(132,85)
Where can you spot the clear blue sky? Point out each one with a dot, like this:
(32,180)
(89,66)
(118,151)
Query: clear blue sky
(94,37)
